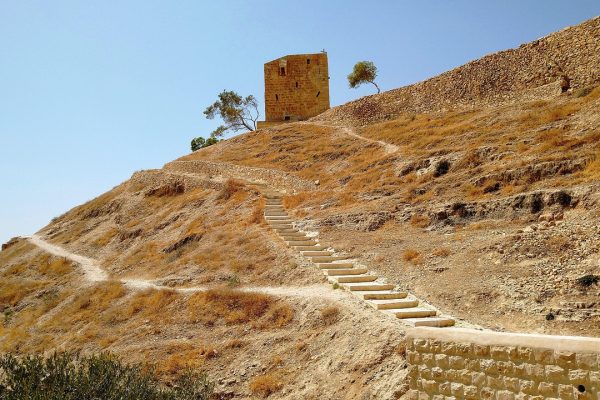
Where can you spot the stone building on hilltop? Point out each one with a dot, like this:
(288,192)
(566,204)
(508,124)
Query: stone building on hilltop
(296,88)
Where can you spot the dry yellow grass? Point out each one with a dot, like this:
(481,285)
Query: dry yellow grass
(102,316)
(234,307)
(420,221)
(412,256)
(442,252)
(295,200)
(265,385)
(330,315)
(479,142)
(401,350)
(592,170)
(257,213)
(157,240)
(232,188)
(235,344)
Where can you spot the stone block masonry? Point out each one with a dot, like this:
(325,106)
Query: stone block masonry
(296,88)
(470,364)
(287,182)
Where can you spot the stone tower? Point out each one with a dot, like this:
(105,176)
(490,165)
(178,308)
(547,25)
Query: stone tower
(296,88)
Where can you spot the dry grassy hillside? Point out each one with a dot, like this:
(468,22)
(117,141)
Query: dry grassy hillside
(486,207)
(183,231)
(489,213)
(566,60)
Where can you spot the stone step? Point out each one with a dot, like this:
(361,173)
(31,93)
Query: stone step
(318,247)
(438,322)
(326,259)
(354,278)
(414,312)
(275,213)
(277,223)
(295,243)
(277,217)
(292,234)
(285,231)
(391,304)
(335,265)
(274,207)
(368,287)
(381,295)
(273,203)
(345,271)
(294,238)
(281,226)
(316,253)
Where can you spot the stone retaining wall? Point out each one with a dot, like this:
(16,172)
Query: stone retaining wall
(278,179)
(155,177)
(457,363)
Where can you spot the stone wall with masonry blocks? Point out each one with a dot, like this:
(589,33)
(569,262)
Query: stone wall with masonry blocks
(470,364)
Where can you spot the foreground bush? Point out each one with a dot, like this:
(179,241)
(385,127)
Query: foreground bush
(71,376)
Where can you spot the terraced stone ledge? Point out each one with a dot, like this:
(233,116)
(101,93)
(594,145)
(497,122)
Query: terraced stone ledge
(277,178)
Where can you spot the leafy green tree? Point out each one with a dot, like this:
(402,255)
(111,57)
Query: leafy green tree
(210,141)
(200,143)
(363,72)
(237,112)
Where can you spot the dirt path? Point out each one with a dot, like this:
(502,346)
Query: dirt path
(91,268)
(387,147)
(346,130)
(94,273)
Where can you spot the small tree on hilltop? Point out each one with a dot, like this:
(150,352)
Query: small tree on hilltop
(363,72)
(200,143)
(238,113)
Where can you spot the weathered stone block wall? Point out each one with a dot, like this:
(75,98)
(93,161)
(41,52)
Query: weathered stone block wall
(278,179)
(471,364)
(301,92)
(268,124)
(532,71)
(156,177)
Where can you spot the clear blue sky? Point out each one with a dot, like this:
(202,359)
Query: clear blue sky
(91,91)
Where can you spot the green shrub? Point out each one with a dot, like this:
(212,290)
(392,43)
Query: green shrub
(200,143)
(69,376)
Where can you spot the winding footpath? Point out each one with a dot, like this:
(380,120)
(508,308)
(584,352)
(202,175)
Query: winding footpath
(387,147)
(349,131)
(93,273)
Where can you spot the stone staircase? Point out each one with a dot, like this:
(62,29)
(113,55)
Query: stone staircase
(341,271)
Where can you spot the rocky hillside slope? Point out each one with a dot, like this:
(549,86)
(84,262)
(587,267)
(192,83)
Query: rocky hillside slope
(477,191)
(564,60)
(195,279)
(488,210)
